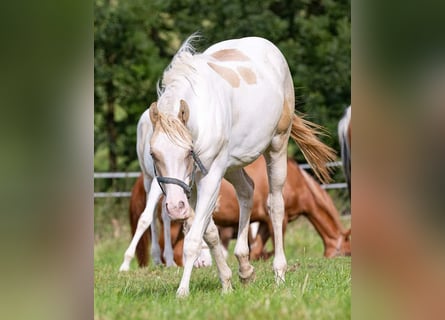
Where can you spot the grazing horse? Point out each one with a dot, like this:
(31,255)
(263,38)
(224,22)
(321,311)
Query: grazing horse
(302,196)
(218,111)
(344,136)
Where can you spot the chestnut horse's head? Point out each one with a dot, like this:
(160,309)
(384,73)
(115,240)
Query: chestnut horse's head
(342,247)
(173,158)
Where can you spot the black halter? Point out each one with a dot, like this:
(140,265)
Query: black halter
(187,188)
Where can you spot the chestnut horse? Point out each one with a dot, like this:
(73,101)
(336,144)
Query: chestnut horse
(302,197)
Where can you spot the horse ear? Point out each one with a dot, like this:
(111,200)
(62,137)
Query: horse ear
(184,112)
(154,113)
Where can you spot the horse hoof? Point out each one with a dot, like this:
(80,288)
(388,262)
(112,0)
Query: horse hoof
(157,262)
(249,277)
(279,278)
(182,293)
(227,287)
(124,267)
(171,264)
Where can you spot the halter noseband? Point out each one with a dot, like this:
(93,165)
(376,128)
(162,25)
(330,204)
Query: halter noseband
(187,188)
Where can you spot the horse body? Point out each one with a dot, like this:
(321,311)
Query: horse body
(220,110)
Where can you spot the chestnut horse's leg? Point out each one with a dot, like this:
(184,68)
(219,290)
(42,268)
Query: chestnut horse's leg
(243,185)
(257,246)
(144,222)
(276,159)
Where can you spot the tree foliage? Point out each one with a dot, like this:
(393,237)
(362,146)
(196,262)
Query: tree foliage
(135,40)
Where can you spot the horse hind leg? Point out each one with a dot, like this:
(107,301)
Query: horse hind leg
(276,159)
(243,185)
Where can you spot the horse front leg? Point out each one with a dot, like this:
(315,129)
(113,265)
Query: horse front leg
(211,237)
(155,248)
(144,222)
(208,188)
(168,248)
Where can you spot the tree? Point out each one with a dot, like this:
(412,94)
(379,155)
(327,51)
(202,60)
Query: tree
(135,41)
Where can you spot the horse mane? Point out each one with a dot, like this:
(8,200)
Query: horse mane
(181,67)
(175,130)
(180,70)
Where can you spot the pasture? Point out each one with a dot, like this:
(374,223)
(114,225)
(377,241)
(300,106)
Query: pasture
(315,288)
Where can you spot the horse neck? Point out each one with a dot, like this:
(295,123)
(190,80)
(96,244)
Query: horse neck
(325,218)
(206,120)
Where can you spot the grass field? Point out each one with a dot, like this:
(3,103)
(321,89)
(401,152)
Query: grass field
(315,288)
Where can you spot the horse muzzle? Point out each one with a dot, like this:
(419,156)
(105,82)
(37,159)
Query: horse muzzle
(178,210)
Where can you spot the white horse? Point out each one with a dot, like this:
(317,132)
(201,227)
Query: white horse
(344,136)
(217,112)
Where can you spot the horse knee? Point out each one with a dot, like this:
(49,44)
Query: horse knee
(211,236)
(191,248)
(241,249)
(143,223)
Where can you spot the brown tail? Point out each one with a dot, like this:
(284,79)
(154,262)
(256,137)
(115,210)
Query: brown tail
(316,152)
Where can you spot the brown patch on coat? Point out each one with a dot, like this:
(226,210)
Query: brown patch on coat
(285,119)
(229,55)
(227,74)
(247,74)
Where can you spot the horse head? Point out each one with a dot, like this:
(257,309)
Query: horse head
(346,245)
(173,158)
(342,246)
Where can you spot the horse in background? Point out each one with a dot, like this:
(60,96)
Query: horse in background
(218,111)
(344,136)
(303,196)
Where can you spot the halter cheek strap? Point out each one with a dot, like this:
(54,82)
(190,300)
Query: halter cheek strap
(198,162)
(187,188)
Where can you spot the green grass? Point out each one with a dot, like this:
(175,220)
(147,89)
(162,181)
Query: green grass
(315,288)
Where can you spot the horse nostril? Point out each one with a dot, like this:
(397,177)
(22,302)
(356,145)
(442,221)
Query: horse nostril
(181,204)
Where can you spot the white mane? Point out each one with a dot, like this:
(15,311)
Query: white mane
(181,67)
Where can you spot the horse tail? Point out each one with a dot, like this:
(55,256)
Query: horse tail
(317,154)
(345,145)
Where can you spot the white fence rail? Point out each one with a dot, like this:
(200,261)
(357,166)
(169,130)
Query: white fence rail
(126,175)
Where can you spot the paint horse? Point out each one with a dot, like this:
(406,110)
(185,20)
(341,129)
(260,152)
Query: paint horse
(303,196)
(218,111)
(344,136)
